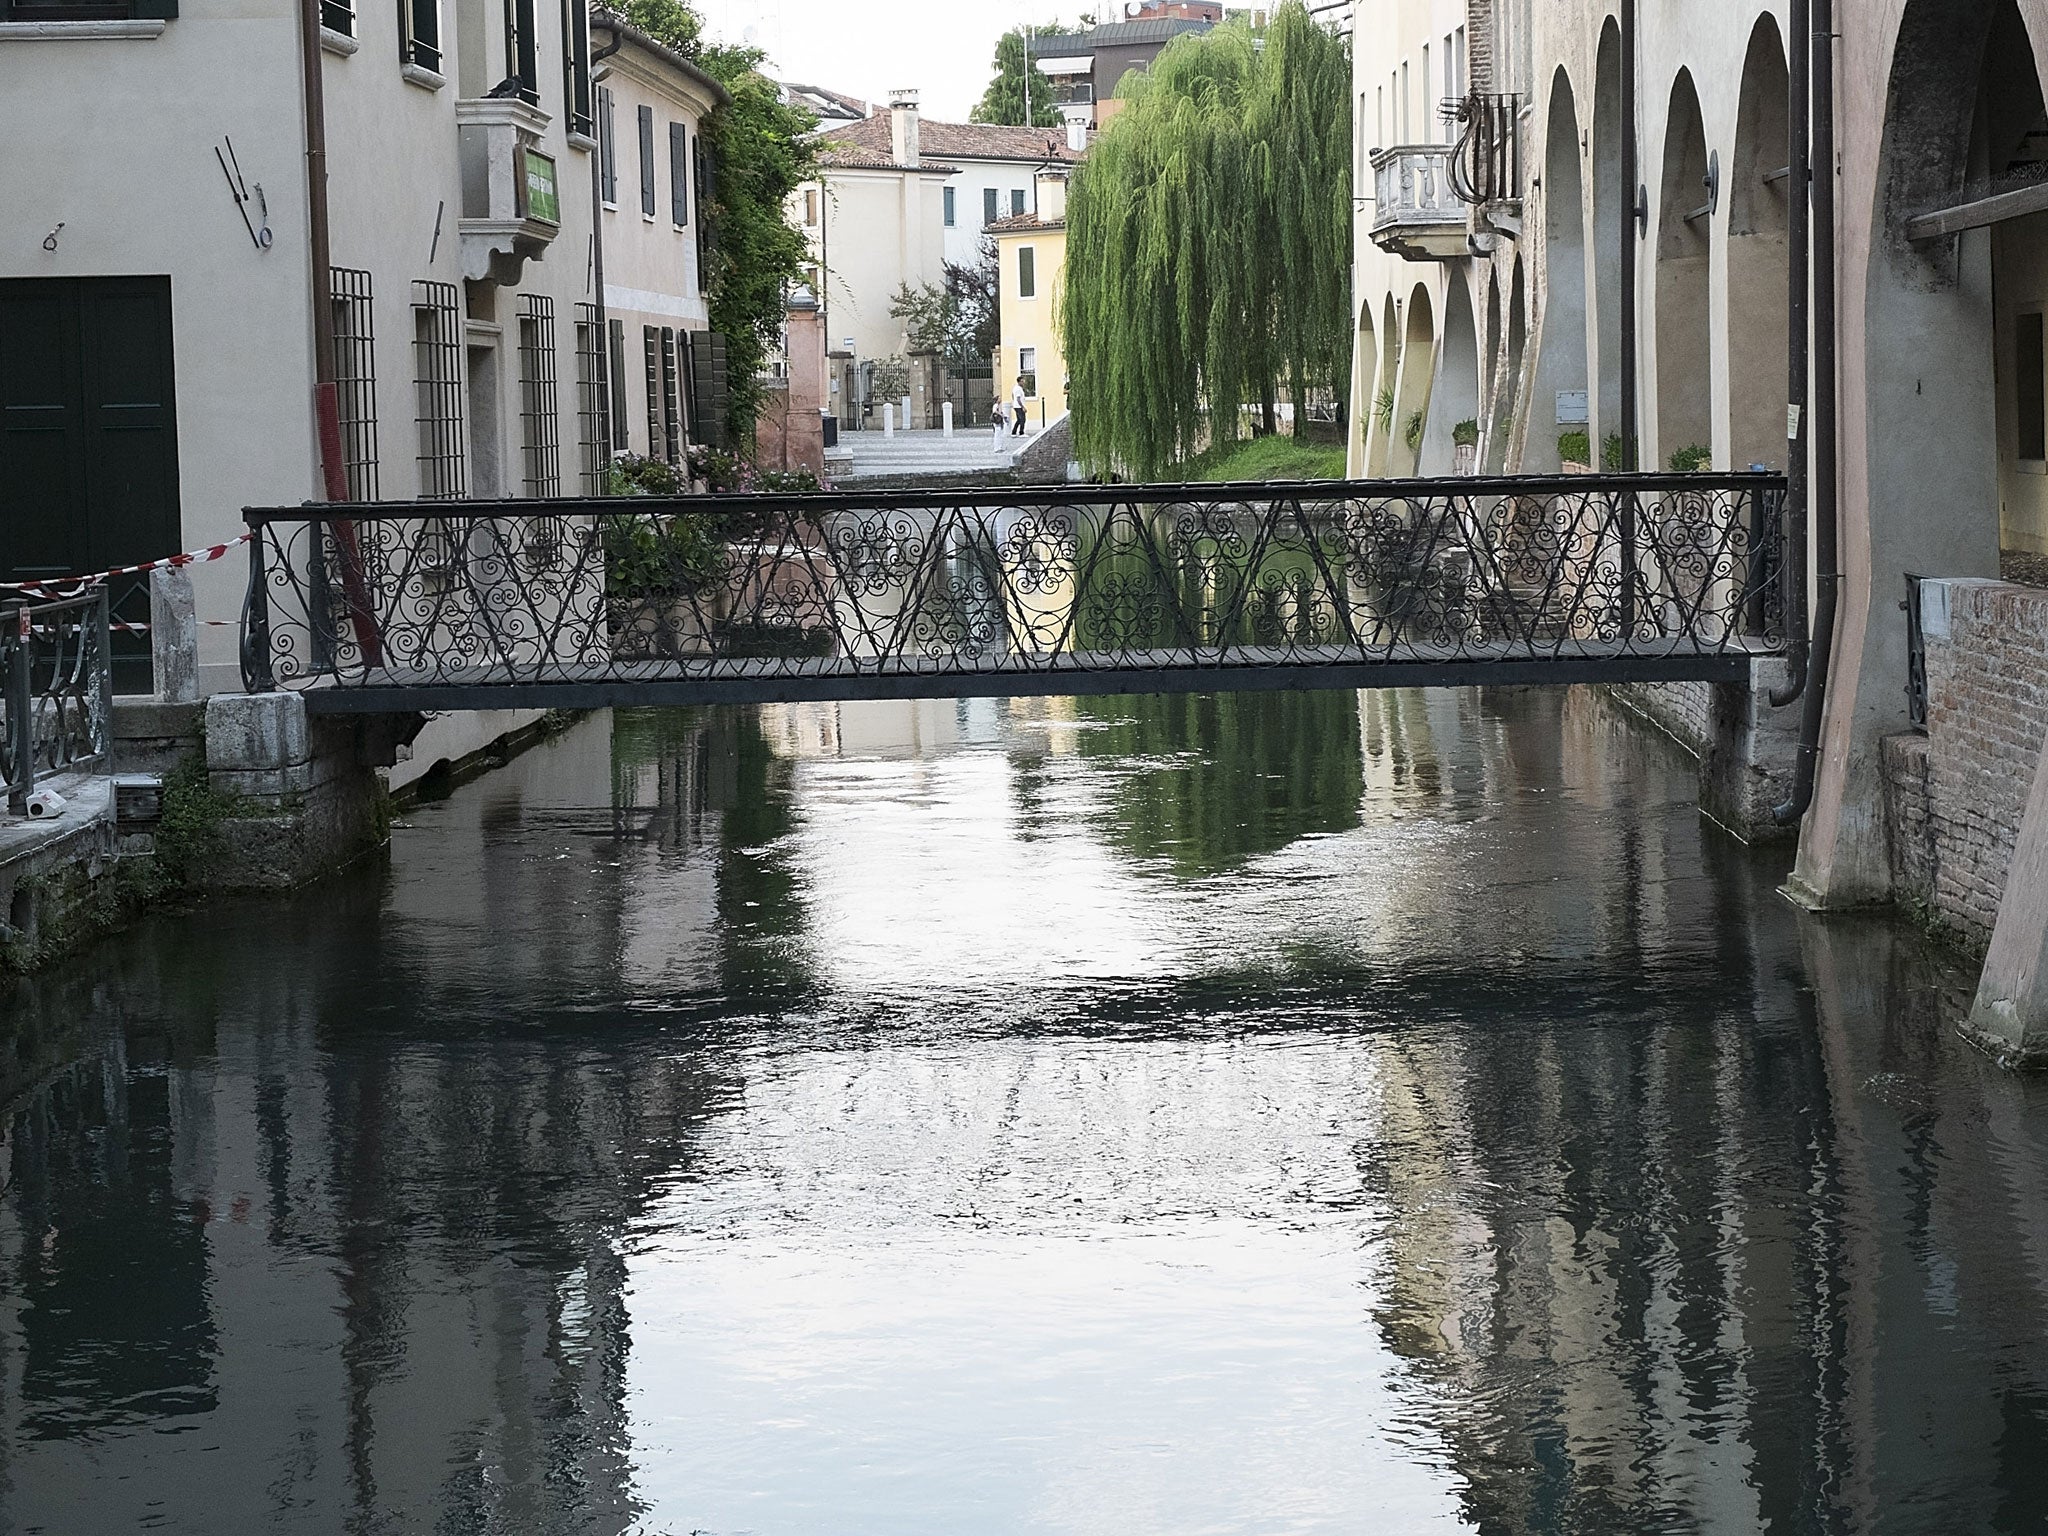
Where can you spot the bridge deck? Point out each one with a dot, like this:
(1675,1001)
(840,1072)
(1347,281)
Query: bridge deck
(1241,668)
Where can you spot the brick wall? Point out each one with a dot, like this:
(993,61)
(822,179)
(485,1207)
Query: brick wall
(1953,801)
(1684,711)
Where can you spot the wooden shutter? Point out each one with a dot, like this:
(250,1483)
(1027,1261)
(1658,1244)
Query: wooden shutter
(710,391)
(671,396)
(706,172)
(650,339)
(607,146)
(647,161)
(679,174)
(615,344)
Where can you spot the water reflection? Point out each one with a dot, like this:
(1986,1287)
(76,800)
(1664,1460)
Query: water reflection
(1270,1114)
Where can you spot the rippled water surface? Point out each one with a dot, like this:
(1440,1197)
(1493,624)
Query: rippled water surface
(1291,1114)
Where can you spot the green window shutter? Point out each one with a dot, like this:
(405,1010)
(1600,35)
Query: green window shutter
(710,391)
(679,175)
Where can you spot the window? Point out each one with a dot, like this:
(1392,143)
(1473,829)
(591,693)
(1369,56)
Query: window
(1027,273)
(1428,117)
(419,33)
(335,15)
(593,403)
(952,209)
(1027,365)
(1458,66)
(1016,201)
(520,44)
(988,205)
(646,161)
(576,66)
(679,175)
(1450,72)
(615,379)
(540,427)
(811,208)
(437,389)
(2030,380)
(1406,120)
(355,379)
(607,149)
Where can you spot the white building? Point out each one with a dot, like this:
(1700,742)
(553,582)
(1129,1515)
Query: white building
(666,369)
(158,304)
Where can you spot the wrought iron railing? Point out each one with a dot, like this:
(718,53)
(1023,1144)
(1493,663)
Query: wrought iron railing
(1486,165)
(1014,590)
(56,715)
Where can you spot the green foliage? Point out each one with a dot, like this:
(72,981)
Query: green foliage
(892,378)
(1691,458)
(1466,433)
(1209,245)
(1610,453)
(1003,102)
(1383,409)
(673,555)
(1575,447)
(188,834)
(1412,433)
(1265,458)
(959,319)
(632,475)
(762,153)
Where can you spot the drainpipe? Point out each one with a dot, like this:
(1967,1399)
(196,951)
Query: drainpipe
(326,404)
(604,318)
(1798,192)
(1631,182)
(1825,533)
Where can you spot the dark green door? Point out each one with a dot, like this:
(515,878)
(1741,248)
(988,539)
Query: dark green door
(88,438)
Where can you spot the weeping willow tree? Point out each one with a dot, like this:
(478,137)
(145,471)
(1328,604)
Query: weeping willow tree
(1209,245)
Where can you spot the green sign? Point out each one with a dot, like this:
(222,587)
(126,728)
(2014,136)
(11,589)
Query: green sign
(542,201)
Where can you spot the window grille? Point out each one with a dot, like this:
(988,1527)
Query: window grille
(419,39)
(437,389)
(355,378)
(593,400)
(339,16)
(539,409)
(650,339)
(671,399)
(576,66)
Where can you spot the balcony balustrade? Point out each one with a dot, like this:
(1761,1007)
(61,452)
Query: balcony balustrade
(510,201)
(1419,214)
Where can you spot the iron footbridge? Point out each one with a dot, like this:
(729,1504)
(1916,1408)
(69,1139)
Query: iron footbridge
(584,603)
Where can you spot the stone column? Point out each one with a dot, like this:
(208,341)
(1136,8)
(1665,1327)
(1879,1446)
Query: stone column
(173,636)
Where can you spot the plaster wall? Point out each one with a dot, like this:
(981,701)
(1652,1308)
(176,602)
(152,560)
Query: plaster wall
(877,231)
(968,186)
(1033,322)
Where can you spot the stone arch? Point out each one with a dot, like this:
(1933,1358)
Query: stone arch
(1612,222)
(1365,367)
(1455,396)
(1412,390)
(1504,455)
(1758,191)
(1561,366)
(1685,392)
(1379,435)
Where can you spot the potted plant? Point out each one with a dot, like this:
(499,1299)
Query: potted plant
(1575,451)
(1692,459)
(1465,447)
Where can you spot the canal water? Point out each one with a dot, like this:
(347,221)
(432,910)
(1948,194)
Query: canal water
(1281,1114)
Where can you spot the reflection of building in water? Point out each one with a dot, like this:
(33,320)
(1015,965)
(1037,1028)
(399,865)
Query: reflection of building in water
(913,727)
(264,1249)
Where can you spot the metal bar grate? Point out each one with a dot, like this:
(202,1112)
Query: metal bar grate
(540,420)
(437,385)
(593,401)
(355,378)
(671,398)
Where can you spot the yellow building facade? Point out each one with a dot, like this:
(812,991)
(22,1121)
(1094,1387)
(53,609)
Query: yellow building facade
(1032,264)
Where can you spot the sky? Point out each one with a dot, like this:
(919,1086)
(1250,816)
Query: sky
(867,48)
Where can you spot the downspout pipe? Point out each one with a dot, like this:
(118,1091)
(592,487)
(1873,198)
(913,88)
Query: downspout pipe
(1631,184)
(1826,541)
(1799,357)
(326,401)
(604,316)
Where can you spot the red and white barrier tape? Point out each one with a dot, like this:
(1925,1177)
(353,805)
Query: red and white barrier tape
(72,586)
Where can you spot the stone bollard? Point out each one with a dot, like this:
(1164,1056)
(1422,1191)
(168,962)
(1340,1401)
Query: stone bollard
(173,636)
(946,417)
(906,413)
(888,419)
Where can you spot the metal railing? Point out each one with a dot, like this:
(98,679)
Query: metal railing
(1056,590)
(1486,165)
(56,692)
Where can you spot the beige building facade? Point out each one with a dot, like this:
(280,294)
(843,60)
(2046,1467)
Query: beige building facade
(1031,266)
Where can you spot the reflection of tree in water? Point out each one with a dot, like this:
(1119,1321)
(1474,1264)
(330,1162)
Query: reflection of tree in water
(719,790)
(1219,779)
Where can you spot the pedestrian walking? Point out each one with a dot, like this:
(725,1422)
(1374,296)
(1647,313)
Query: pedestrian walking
(1001,418)
(1017,407)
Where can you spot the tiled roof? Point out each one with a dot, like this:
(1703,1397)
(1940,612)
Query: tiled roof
(957,141)
(1022,223)
(822,101)
(839,156)
(1115,34)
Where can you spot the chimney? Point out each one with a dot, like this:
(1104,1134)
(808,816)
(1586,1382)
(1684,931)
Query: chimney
(903,127)
(1077,135)
(1052,197)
